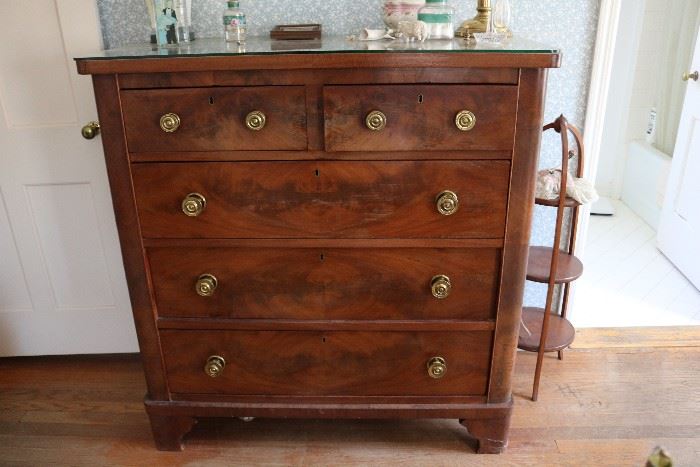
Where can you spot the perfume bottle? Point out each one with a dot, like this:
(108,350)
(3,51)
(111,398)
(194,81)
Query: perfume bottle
(234,23)
(501,17)
(438,16)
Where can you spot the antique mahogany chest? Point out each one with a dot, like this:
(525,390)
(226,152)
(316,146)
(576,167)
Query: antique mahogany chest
(332,232)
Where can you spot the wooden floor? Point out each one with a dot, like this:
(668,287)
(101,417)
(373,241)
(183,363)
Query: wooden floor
(600,406)
(627,281)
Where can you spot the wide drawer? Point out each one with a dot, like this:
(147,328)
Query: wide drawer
(325,283)
(207,119)
(322,199)
(327,363)
(419,117)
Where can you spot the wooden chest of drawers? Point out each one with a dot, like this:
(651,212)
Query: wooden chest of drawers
(324,234)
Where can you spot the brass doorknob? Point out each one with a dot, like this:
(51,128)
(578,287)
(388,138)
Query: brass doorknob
(206,285)
(465,120)
(437,367)
(447,202)
(255,120)
(170,122)
(688,76)
(376,120)
(441,286)
(90,130)
(193,204)
(215,366)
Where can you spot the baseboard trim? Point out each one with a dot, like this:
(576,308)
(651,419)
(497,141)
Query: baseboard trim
(671,336)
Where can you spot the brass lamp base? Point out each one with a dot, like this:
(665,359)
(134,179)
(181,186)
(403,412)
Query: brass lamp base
(477,24)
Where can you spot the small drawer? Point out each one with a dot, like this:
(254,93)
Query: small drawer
(327,363)
(401,199)
(419,117)
(209,119)
(326,283)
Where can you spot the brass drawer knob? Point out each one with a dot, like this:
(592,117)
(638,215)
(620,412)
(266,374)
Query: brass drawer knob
(193,204)
(465,120)
(206,285)
(447,203)
(255,120)
(169,122)
(91,130)
(215,366)
(688,76)
(441,286)
(375,120)
(437,367)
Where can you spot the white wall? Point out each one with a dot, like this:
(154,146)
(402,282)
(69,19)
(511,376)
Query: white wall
(647,72)
(614,141)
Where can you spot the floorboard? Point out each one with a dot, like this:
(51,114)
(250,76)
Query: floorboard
(600,406)
(627,281)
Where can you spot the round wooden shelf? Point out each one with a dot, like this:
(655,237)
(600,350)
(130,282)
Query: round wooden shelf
(559,336)
(569,267)
(568,202)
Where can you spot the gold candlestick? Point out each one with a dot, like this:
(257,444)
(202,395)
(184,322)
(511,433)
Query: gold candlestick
(479,23)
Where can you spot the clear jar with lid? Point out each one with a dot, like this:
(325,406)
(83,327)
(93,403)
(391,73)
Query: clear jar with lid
(438,16)
(235,23)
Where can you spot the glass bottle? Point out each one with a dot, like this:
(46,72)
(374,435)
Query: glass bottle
(152,16)
(438,15)
(234,23)
(501,17)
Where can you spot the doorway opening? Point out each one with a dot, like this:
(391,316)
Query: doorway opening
(628,281)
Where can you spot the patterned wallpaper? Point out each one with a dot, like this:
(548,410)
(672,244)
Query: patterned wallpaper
(567,24)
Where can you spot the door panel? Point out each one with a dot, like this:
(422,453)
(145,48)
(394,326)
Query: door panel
(62,286)
(14,295)
(64,216)
(679,228)
(35,84)
(689,189)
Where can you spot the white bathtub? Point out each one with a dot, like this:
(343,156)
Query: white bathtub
(644,186)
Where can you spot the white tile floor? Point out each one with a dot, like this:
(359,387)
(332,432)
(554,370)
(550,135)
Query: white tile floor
(627,281)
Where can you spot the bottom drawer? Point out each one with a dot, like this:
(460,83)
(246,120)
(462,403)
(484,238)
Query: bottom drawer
(328,363)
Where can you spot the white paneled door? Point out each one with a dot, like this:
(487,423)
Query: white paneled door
(62,286)
(679,228)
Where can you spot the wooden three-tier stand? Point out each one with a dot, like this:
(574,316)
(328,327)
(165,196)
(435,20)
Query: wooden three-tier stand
(543,329)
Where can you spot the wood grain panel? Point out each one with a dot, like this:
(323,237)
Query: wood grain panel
(323,199)
(243,156)
(330,363)
(130,239)
(214,118)
(326,283)
(321,76)
(341,62)
(331,243)
(521,204)
(221,324)
(419,117)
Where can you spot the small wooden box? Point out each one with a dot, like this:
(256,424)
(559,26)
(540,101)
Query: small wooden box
(295,32)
